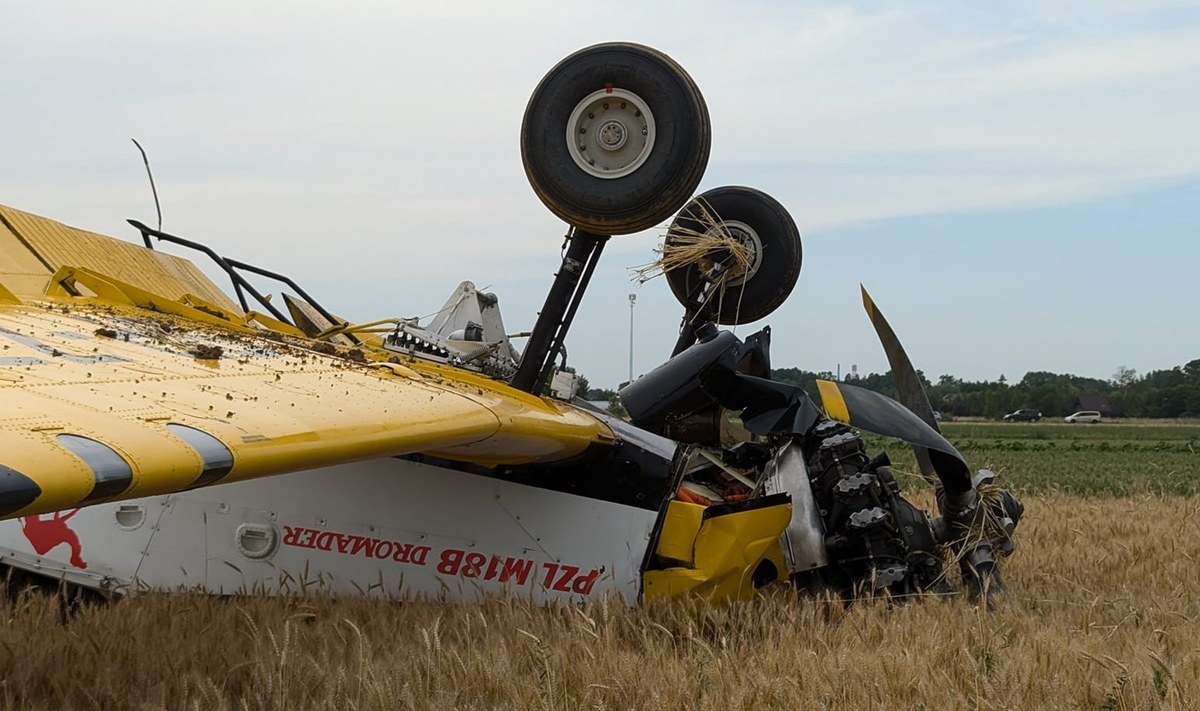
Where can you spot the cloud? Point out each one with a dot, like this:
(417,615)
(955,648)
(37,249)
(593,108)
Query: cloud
(352,141)
(875,113)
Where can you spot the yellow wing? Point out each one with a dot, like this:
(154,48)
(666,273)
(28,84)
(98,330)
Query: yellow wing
(113,388)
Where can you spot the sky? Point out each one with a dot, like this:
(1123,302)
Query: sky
(1016,183)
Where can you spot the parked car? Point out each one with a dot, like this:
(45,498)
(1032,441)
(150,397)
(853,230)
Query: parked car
(1023,415)
(1083,416)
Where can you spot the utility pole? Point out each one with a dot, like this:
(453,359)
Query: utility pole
(632,301)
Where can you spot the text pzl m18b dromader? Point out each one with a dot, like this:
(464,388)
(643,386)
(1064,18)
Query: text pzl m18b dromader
(145,412)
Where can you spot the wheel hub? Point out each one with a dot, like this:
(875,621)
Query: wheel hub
(610,133)
(748,238)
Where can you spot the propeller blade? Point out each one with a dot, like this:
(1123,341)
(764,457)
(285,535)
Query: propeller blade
(978,566)
(873,412)
(908,386)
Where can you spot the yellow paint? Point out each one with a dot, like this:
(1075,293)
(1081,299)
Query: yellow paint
(272,324)
(727,551)
(101,340)
(278,406)
(7,297)
(106,346)
(20,269)
(68,279)
(680,526)
(32,248)
(831,398)
(774,554)
(868,302)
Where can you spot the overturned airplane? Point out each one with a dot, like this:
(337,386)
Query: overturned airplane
(146,413)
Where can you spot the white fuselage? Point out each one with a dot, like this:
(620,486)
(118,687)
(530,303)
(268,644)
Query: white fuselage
(387,527)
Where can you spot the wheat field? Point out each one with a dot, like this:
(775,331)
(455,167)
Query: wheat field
(1101,612)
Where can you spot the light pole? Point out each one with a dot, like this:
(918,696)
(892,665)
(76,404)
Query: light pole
(632,301)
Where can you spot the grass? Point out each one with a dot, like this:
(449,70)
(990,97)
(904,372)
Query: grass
(1101,612)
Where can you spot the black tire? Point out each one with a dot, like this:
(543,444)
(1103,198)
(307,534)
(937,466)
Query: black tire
(667,170)
(778,267)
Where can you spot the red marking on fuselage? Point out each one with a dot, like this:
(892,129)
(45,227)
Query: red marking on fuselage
(46,533)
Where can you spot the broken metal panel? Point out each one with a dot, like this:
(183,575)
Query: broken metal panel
(55,245)
(20,269)
(681,524)
(734,553)
(6,296)
(804,540)
(309,321)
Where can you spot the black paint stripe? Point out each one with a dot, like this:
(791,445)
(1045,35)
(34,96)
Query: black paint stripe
(217,458)
(16,490)
(112,473)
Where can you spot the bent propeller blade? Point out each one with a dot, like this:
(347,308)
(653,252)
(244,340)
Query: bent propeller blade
(982,573)
(908,386)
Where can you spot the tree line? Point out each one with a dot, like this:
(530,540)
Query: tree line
(1158,393)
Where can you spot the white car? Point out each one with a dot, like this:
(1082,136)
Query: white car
(1083,416)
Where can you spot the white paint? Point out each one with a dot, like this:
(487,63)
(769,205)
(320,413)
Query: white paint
(385,527)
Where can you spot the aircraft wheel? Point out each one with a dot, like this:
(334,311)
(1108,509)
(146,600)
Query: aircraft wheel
(768,232)
(615,138)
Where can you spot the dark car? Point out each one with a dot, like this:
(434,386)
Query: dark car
(1023,415)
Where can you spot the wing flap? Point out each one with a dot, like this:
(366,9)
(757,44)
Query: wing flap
(32,248)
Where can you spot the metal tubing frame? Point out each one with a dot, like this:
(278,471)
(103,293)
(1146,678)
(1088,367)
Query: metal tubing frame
(228,266)
(299,291)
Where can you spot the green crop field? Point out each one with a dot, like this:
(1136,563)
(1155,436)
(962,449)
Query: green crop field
(1113,458)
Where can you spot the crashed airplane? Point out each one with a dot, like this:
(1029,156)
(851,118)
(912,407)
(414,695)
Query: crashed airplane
(157,433)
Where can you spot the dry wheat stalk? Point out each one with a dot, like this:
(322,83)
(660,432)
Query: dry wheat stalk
(685,246)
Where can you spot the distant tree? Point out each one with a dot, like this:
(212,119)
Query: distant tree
(804,379)
(880,383)
(1159,379)
(1124,376)
(1160,393)
(615,407)
(1037,378)
(1192,371)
